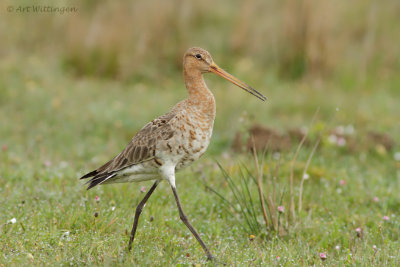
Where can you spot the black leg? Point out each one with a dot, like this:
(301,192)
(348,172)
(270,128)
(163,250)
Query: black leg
(191,228)
(138,211)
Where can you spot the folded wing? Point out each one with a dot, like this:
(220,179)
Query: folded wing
(141,148)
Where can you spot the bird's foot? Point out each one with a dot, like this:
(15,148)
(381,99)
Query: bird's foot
(130,246)
(210,257)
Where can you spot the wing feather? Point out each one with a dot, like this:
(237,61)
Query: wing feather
(140,149)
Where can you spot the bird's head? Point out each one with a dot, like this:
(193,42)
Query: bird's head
(198,59)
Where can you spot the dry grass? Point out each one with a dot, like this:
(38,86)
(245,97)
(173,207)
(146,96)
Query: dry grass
(304,38)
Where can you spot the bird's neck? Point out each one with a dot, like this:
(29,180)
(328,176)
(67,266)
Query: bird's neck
(199,94)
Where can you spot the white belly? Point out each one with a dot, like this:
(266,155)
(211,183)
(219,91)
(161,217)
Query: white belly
(136,173)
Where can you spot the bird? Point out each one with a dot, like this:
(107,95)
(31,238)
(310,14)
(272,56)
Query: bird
(171,142)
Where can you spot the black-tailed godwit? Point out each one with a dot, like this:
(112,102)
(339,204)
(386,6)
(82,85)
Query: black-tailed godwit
(172,141)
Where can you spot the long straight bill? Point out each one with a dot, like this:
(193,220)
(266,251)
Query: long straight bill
(217,70)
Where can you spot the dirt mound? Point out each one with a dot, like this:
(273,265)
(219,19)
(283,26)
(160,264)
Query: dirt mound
(261,137)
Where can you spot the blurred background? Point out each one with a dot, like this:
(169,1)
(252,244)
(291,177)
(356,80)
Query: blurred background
(78,82)
(120,62)
(104,68)
(127,40)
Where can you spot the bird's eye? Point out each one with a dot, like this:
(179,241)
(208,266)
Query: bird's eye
(198,56)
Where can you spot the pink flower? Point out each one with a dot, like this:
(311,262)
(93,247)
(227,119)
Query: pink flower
(281,209)
(342,182)
(374,247)
(97,199)
(358,231)
(4,147)
(47,163)
(385,218)
(322,256)
(375,199)
(278,258)
(341,141)
(143,189)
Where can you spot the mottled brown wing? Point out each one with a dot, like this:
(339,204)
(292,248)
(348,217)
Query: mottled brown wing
(141,148)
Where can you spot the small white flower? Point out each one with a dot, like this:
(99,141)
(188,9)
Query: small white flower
(306,176)
(397,156)
(340,129)
(65,236)
(337,247)
(276,155)
(13,220)
(304,129)
(225,155)
(112,208)
(332,139)
(63,164)
(349,129)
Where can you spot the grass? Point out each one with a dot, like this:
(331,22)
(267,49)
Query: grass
(55,128)
(71,97)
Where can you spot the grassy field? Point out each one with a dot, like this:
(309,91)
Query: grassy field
(70,105)
(61,127)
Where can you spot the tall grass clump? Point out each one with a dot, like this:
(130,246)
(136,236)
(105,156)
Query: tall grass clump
(264,202)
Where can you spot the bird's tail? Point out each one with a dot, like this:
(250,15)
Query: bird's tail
(97,178)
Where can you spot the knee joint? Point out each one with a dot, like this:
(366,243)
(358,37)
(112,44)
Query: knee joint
(139,209)
(183,217)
